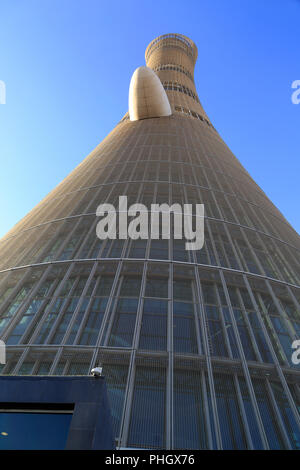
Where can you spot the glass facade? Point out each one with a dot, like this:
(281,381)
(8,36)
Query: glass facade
(195,345)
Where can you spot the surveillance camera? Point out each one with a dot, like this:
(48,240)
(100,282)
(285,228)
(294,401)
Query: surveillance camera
(96,372)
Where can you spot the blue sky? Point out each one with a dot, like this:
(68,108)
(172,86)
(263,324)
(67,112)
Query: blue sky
(67,65)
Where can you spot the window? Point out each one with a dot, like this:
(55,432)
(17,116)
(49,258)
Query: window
(34,429)
(153,334)
(267,415)
(189,420)
(184,328)
(29,313)
(233,435)
(156,288)
(7,314)
(147,424)
(124,323)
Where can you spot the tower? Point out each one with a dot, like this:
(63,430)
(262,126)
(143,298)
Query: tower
(196,346)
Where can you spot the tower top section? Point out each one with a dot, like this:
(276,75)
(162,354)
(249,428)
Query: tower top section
(172,57)
(171,46)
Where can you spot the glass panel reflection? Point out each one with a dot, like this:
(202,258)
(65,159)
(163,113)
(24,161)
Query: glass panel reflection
(34,430)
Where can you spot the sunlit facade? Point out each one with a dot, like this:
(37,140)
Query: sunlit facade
(195,345)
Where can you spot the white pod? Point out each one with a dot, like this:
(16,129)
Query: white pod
(147,97)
